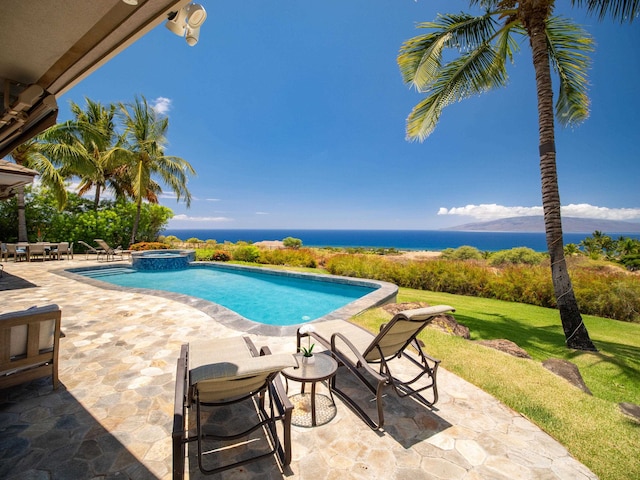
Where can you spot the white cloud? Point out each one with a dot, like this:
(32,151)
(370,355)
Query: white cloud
(186,218)
(583,210)
(212,199)
(262,213)
(161,105)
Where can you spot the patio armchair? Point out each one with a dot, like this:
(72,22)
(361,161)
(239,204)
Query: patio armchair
(37,249)
(370,357)
(230,373)
(29,344)
(62,248)
(18,252)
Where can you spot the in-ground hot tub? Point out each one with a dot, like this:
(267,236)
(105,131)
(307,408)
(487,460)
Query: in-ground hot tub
(162,259)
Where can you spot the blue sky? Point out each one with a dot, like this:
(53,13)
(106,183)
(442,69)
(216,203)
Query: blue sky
(293,115)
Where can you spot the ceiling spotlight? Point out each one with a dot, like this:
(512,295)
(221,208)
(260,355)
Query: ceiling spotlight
(131,2)
(192,36)
(186,22)
(196,14)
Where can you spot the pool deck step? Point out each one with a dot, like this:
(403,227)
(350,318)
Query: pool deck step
(105,272)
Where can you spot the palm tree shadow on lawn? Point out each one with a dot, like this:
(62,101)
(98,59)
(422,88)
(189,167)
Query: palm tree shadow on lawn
(623,357)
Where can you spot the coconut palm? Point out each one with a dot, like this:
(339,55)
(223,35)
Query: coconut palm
(485,43)
(30,155)
(87,146)
(144,144)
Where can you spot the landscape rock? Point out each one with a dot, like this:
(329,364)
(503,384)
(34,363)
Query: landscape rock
(630,409)
(506,346)
(444,323)
(568,371)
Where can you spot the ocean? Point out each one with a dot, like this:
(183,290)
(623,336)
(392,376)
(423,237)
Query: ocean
(434,240)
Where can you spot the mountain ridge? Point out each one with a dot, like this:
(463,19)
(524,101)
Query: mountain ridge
(536,224)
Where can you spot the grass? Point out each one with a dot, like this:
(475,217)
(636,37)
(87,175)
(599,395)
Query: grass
(591,427)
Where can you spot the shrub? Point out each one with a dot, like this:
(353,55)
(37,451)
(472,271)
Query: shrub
(517,256)
(292,258)
(631,262)
(148,246)
(209,255)
(170,240)
(464,252)
(193,240)
(246,253)
(291,242)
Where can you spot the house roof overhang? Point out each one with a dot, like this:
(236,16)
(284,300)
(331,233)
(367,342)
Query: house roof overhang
(49,46)
(13,176)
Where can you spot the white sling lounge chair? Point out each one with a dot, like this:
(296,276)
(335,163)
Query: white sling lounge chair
(358,350)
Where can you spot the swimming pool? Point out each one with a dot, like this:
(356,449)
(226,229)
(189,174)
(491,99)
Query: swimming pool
(270,297)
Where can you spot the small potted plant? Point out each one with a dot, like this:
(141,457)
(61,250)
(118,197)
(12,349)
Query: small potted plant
(307,352)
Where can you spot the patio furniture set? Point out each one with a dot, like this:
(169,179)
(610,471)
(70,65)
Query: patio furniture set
(31,251)
(228,373)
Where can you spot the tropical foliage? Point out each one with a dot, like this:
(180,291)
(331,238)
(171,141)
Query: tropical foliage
(115,148)
(112,221)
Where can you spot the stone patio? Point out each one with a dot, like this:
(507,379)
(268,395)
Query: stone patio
(112,416)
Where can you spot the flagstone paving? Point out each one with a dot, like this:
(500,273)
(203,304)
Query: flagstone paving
(112,416)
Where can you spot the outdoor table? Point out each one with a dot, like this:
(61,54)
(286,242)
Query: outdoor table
(312,409)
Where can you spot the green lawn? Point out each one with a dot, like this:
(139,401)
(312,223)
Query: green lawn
(591,427)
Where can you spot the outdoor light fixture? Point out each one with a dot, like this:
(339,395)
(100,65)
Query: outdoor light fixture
(187,21)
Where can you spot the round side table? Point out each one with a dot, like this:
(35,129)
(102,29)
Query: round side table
(312,409)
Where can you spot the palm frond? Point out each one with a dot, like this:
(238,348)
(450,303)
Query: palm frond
(420,58)
(470,74)
(622,10)
(484,50)
(569,48)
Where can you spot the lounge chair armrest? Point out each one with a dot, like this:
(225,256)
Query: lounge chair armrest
(179,434)
(361,361)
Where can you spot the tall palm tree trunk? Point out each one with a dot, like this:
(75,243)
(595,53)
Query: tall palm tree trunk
(22,219)
(575,331)
(136,222)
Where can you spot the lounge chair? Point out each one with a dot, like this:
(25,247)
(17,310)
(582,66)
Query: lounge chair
(109,252)
(91,250)
(357,349)
(224,372)
(29,341)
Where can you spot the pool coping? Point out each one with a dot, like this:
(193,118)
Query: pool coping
(385,292)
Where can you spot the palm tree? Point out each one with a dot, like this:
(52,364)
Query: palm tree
(145,138)
(88,146)
(30,155)
(485,43)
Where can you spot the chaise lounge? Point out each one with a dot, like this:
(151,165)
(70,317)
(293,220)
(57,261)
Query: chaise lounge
(29,344)
(358,350)
(231,373)
(110,252)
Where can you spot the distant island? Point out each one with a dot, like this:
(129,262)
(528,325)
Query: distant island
(536,224)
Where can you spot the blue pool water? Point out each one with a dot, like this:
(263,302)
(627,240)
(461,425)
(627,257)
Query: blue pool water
(262,297)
